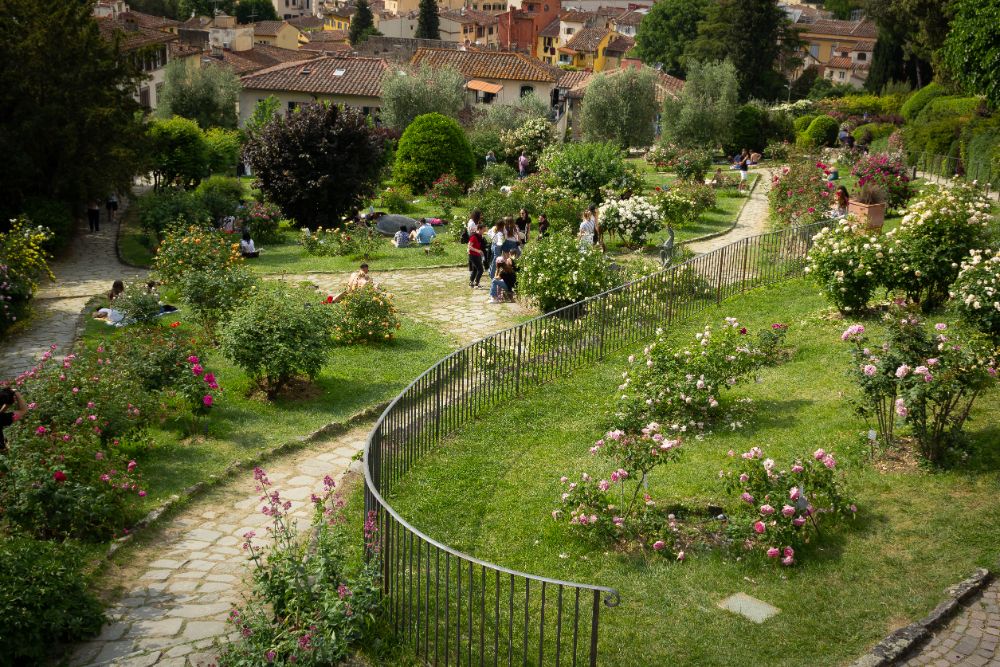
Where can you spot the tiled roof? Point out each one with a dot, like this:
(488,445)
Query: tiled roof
(633,18)
(268,27)
(196,23)
(551,30)
(586,40)
(307,23)
(132,39)
(839,63)
(469,16)
(666,86)
(182,50)
(261,56)
(620,44)
(153,22)
(865,45)
(858,29)
(577,16)
(328,75)
(486,64)
(571,80)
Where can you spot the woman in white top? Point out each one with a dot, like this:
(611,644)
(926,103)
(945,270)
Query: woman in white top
(587,230)
(247,248)
(497,238)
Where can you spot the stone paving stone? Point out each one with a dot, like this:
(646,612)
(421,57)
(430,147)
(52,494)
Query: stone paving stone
(968,639)
(749,607)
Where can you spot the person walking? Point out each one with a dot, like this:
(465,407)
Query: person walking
(743,165)
(112,205)
(587,232)
(522,165)
(476,244)
(94,215)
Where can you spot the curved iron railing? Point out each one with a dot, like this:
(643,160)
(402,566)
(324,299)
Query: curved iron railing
(945,168)
(450,606)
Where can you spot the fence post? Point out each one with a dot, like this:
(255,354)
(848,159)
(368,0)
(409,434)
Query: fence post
(437,403)
(517,363)
(600,316)
(718,284)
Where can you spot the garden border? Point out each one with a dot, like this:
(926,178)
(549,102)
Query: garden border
(473,379)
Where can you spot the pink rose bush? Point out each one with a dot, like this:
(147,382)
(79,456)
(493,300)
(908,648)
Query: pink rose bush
(683,388)
(888,173)
(800,193)
(779,511)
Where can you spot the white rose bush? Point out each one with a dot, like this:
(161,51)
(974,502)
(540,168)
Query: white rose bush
(633,219)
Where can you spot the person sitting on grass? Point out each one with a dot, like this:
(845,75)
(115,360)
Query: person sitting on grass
(247,248)
(718,180)
(110,314)
(425,233)
(501,286)
(358,280)
(402,237)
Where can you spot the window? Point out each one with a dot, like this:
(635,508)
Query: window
(490,31)
(159,91)
(144,96)
(546,8)
(840,75)
(527,90)
(292,106)
(565,59)
(862,57)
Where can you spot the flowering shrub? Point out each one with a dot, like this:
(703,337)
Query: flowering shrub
(532,137)
(554,272)
(928,379)
(633,219)
(494,176)
(888,172)
(137,303)
(702,195)
(663,156)
(684,387)
(445,193)
(263,219)
(778,150)
(780,510)
(676,207)
(194,248)
(366,314)
(937,232)
(800,194)
(23,261)
(276,334)
(354,241)
(584,168)
(306,607)
(618,509)
(977,291)
(396,199)
(847,263)
(692,164)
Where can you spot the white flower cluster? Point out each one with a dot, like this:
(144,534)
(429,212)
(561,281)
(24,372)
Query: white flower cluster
(634,218)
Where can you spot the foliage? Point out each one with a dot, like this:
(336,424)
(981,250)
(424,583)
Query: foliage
(137,303)
(56,217)
(847,263)
(179,152)
(194,248)
(873,130)
(665,32)
(276,334)
(206,95)
(396,199)
(920,99)
(71,130)
(432,145)
(677,208)
(44,599)
(318,163)
(445,193)
(427,21)
(976,291)
(263,219)
(633,219)
(265,111)
(413,92)
(801,193)
(801,123)
(683,387)
(621,108)
(366,314)
(703,115)
(493,177)
(252,11)
(930,379)
(362,23)
(532,137)
(555,272)
(356,242)
(778,151)
(702,196)
(223,150)
(307,608)
(888,173)
(584,168)
(822,131)
(692,165)
(972,50)
(160,209)
(663,156)
(212,295)
(220,195)
(808,492)
(23,261)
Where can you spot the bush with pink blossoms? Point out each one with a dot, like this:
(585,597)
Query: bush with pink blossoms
(780,508)
(684,387)
(928,378)
(887,172)
(801,194)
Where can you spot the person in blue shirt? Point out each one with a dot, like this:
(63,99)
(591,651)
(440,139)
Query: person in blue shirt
(425,233)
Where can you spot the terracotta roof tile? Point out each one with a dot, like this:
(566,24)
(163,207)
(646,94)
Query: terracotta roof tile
(260,57)
(469,16)
(586,40)
(570,80)
(577,16)
(632,18)
(153,22)
(551,30)
(328,75)
(182,50)
(506,65)
(620,44)
(132,38)
(865,45)
(857,29)
(839,63)
(307,23)
(268,27)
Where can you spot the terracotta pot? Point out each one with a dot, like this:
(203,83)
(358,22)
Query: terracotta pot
(872,215)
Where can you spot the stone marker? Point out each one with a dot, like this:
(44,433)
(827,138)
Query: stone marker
(756,610)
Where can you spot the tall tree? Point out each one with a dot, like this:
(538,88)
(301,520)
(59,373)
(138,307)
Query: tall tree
(427,21)
(207,95)
(362,23)
(703,115)
(318,163)
(890,63)
(251,11)
(68,121)
(918,26)
(189,8)
(409,93)
(756,36)
(971,53)
(666,31)
(621,108)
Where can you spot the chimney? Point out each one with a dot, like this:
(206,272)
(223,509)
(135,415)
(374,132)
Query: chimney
(217,51)
(129,22)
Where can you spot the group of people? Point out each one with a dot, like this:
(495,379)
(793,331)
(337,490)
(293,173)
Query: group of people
(422,234)
(116,316)
(494,250)
(94,211)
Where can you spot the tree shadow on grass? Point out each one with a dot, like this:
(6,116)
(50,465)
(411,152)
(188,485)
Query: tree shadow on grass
(767,415)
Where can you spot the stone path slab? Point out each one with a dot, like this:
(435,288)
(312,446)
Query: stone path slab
(751,221)
(970,640)
(749,607)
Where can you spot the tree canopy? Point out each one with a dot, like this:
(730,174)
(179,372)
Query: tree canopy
(318,163)
(179,153)
(703,115)
(363,23)
(185,8)
(428,22)
(666,31)
(207,95)
(621,108)
(408,93)
(68,120)
(971,51)
(251,11)
(918,26)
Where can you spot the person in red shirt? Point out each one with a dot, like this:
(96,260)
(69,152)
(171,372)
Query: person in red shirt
(476,245)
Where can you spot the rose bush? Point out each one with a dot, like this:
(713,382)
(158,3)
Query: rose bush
(888,173)
(554,272)
(976,292)
(365,314)
(445,193)
(847,263)
(263,219)
(23,262)
(633,219)
(692,164)
(800,193)
(354,241)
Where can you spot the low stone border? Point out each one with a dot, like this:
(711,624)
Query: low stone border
(896,646)
(736,220)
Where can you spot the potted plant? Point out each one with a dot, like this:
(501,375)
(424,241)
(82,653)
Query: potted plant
(869,207)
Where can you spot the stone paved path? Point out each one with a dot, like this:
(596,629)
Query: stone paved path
(972,639)
(89,269)
(752,219)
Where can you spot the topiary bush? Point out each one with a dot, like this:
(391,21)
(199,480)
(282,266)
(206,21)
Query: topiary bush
(918,100)
(278,333)
(801,124)
(44,599)
(822,131)
(432,145)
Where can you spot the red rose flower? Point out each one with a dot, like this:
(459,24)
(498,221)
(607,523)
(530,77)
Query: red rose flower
(59,476)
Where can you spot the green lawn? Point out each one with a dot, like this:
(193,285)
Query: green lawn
(917,531)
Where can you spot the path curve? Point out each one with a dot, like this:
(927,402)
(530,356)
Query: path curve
(972,638)
(752,219)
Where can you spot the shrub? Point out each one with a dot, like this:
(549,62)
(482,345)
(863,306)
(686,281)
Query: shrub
(366,314)
(54,216)
(702,195)
(683,387)
(873,130)
(800,194)
(691,165)
(482,140)
(822,131)
(929,379)
(223,150)
(396,199)
(193,248)
(352,241)
(278,333)
(945,107)
(433,145)
(751,129)
(445,193)
(677,208)
(847,263)
(493,177)
(263,219)
(780,507)
(23,261)
(981,151)
(777,150)
(976,292)
(801,124)
(888,173)
(160,209)
(220,195)
(936,234)
(213,294)
(179,153)
(920,99)
(584,168)
(44,599)
(562,206)
(632,219)
(663,156)
(137,303)
(532,137)
(555,272)
(939,137)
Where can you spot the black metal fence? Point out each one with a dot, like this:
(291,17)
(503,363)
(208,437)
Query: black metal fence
(945,168)
(454,608)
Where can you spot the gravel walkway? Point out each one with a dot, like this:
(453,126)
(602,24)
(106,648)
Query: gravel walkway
(751,221)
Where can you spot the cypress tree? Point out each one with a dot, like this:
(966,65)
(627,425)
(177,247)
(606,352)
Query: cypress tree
(427,22)
(363,23)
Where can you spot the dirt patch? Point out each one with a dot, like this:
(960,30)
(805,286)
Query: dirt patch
(296,389)
(901,458)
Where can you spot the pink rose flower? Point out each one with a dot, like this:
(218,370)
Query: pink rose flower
(787,511)
(773,552)
(207,400)
(819,454)
(759,527)
(766,510)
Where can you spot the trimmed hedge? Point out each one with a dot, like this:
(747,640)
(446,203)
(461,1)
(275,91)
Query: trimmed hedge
(913,106)
(950,106)
(878,130)
(801,124)
(981,151)
(823,131)
(432,145)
